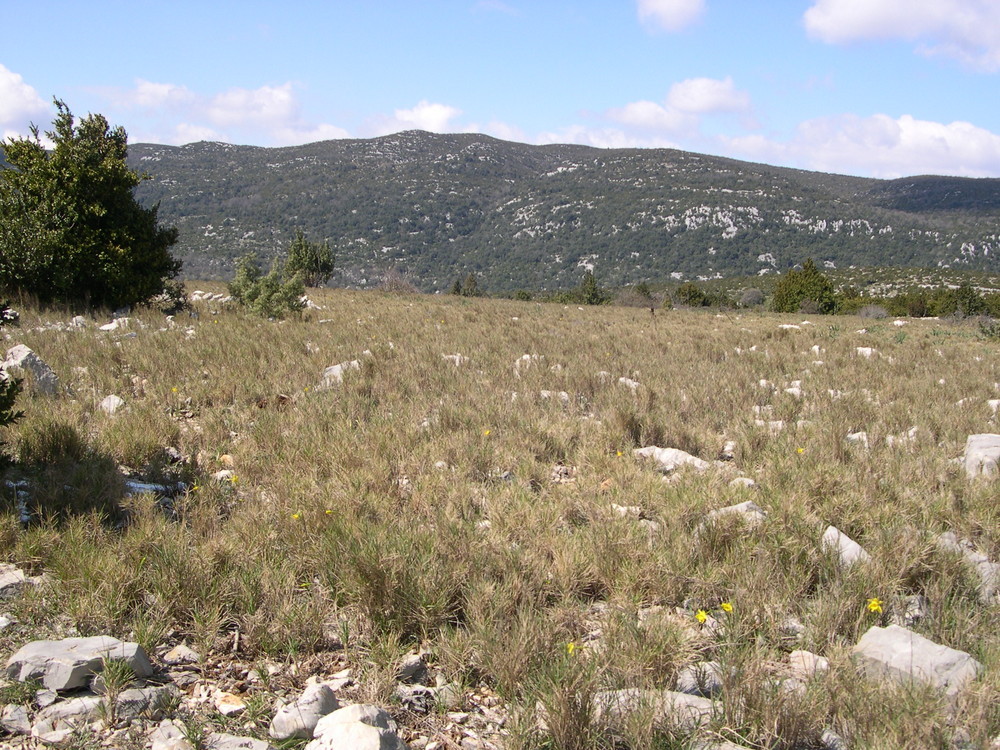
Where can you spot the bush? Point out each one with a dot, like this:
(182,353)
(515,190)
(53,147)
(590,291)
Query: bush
(691,295)
(807,285)
(875,312)
(310,260)
(271,296)
(751,298)
(70,228)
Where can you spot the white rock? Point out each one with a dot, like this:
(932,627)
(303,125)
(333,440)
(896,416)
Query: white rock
(902,655)
(743,482)
(858,438)
(666,707)
(703,678)
(629,383)
(181,654)
(111,404)
(752,514)
(334,375)
(456,359)
(20,359)
(299,719)
(982,455)
(228,704)
(805,665)
(57,722)
(670,459)
(848,551)
(866,351)
(359,727)
(70,663)
(774,426)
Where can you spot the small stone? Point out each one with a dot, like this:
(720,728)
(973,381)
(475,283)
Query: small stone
(15,720)
(299,719)
(181,654)
(228,704)
(847,551)
(704,679)
(411,669)
(21,359)
(915,608)
(805,665)
(111,404)
(222,741)
(670,459)
(982,455)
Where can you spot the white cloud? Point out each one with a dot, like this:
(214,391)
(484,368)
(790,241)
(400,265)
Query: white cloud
(20,104)
(967,30)
(670,15)
(150,95)
(879,146)
(426,115)
(708,96)
(268,105)
(600,137)
(646,115)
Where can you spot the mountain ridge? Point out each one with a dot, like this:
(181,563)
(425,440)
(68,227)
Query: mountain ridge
(439,206)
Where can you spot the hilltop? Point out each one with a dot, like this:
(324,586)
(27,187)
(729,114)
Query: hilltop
(437,207)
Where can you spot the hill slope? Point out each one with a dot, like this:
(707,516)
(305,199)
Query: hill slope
(440,206)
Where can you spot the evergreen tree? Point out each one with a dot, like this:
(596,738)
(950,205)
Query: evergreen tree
(313,261)
(590,293)
(271,296)
(804,288)
(70,227)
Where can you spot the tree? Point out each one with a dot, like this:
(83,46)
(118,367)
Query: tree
(590,293)
(271,296)
(806,289)
(70,227)
(691,295)
(313,261)
(470,287)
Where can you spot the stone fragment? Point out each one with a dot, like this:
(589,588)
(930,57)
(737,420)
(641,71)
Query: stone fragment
(56,723)
(228,704)
(111,404)
(804,665)
(982,455)
(169,735)
(12,581)
(222,741)
(21,359)
(704,679)
(751,513)
(411,669)
(15,719)
(670,459)
(666,707)
(915,608)
(69,663)
(847,551)
(902,655)
(299,719)
(181,654)
(148,702)
(334,375)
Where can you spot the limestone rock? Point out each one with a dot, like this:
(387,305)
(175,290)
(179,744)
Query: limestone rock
(169,735)
(12,581)
(670,459)
(847,551)
(21,358)
(111,404)
(704,679)
(222,741)
(15,719)
(751,513)
(360,727)
(181,654)
(982,455)
(805,665)
(334,375)
(69,663)
(57,722)
(411,669)
(299,719)
(679,710)
(902,655)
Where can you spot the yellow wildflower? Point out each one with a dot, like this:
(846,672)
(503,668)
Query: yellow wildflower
(701,615)
(800,450)
(875,605)
(726,607)
(570,648)
(174,389)
(296,516)
(486,432)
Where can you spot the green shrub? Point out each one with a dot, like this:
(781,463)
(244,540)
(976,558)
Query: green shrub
(798,288)
(9,387)
(272,296)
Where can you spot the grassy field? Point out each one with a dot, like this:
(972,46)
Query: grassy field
(414,505)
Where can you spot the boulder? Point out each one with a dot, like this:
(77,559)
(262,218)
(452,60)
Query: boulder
(15,719)
(982,455)
(902,655)
(57,722)
(21,359)
(334,375)
(847,551)
(299,719)
(222,741)
(360,727)
(12,581)
(70,663)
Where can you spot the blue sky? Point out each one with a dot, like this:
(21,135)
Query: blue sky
(881,88)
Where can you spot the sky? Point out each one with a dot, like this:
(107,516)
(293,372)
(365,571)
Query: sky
(877,88)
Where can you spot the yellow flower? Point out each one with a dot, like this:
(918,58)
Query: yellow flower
(800,450)
(619,453)
(296,516)
(233,479)
(875,605)
(726,607)
(174,389)
(486,432)
(570,648)
(195,487)
(701,615)
(328,512)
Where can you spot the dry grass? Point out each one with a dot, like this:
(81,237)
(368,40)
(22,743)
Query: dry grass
(413,503)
